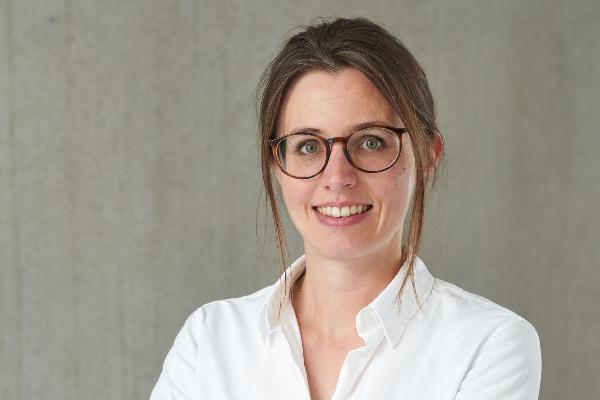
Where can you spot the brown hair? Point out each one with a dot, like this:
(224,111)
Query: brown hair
(363,45)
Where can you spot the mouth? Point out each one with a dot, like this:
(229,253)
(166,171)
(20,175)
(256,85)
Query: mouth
(342,212)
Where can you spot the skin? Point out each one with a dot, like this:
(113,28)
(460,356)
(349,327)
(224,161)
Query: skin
(346,267)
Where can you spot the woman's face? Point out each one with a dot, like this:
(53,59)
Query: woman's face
(334,103)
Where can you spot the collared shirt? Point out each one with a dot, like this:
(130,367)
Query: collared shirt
(458,346)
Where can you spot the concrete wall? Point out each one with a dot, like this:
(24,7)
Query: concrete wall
(120,214)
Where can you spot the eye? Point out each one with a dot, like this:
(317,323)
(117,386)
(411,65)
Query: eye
(372,143)
(308,147)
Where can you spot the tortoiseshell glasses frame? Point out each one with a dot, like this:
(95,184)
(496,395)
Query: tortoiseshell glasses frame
(328,143)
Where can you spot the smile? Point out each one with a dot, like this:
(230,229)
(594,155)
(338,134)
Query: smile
(342,212)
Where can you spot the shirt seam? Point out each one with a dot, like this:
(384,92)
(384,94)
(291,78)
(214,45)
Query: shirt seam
(504,326)
(490,342)
(474,297)
(200,319)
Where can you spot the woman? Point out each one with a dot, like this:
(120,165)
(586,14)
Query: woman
(348,128)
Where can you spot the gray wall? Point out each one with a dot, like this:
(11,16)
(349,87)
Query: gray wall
(119,214)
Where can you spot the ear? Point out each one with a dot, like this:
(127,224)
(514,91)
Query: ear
(436,150)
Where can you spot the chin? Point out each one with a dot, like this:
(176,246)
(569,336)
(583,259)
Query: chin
(340,249)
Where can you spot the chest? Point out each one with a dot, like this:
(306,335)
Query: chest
(276,371)
(323,360)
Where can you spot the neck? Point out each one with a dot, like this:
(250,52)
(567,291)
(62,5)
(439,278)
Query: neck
(332,291)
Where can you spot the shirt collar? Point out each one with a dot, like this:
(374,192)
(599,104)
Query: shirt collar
(393,316)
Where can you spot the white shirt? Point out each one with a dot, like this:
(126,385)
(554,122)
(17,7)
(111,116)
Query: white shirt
(458,346)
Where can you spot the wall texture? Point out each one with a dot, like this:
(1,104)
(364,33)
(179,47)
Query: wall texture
(131,192)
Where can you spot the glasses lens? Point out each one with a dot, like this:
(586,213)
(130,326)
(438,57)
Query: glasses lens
(374,149)
(301,155)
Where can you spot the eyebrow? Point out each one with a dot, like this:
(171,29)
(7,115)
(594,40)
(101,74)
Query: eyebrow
(353,128)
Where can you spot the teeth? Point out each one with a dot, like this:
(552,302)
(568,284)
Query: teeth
(341,212)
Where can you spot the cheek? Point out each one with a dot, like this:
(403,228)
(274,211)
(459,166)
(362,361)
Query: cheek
(407,174)
(295,195)
(399,190)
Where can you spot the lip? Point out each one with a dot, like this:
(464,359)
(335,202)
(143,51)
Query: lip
(341,204)
(343,221)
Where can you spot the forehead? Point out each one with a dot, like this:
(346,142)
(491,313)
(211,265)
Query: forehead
(333,102)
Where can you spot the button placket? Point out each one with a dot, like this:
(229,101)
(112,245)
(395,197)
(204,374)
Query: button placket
(356,361)
(291,333)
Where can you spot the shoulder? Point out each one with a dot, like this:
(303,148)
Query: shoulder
(222,314)
(215,324)
(205,339)
(465,310)
(461,301)
(489,342)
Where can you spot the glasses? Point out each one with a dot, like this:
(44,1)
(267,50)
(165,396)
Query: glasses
(304,155)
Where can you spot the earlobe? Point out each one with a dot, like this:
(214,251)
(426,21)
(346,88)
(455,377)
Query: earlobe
(438,146)
(436,150)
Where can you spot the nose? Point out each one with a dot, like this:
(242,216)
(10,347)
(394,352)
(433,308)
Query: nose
(339,174)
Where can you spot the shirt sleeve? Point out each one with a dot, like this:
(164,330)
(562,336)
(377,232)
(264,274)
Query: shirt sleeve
(177,380)
(508,367)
